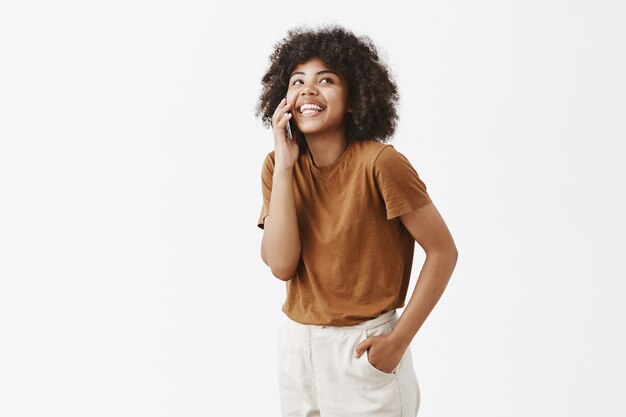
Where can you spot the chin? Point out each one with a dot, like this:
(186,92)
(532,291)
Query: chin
(309,129)
(315,128)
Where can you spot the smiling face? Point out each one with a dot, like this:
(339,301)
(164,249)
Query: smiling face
(327,92)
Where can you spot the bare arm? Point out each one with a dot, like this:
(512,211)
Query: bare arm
(431,233)
(280,247)
(429,230)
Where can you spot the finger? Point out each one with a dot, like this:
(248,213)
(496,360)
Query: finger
(279,108)
(282,123)
(362,347)
(284,111)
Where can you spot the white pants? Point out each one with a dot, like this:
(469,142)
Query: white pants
(318,374)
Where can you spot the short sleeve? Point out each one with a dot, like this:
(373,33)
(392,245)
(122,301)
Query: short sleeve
(267,173)
(399,184)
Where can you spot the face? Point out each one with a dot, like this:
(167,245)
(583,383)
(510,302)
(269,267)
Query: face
(315,82)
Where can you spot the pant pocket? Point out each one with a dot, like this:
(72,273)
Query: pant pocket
(373,391)
(380,330)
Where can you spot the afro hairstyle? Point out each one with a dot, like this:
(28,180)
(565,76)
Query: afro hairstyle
(372,92)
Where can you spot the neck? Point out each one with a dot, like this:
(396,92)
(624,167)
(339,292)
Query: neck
(327,148)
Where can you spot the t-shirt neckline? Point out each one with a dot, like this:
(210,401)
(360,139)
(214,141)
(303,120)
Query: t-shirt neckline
(327,168)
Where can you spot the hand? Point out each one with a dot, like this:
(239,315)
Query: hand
(286,151)
(385,352)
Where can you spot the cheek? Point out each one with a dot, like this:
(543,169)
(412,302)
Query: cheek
(291,98)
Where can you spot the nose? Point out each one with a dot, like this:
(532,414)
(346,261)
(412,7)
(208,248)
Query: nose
(308,89)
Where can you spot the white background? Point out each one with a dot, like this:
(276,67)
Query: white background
(131,282)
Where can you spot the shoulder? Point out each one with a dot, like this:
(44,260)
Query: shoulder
(268,165)
(269,159)
(390,161)
(370,149)
(270,156)
(386,155)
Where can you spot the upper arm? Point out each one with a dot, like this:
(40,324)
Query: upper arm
(428,229)
(267,173)
(266,188)
(263,251)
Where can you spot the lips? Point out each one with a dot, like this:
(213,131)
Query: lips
(310,114)
(311,104)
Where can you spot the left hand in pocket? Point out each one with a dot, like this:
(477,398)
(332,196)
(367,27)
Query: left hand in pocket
(384,352)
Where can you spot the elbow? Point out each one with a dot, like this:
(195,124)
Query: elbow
(454,256)
(283,266)
(449,253)
(280,270)
(284,270)
(283,274)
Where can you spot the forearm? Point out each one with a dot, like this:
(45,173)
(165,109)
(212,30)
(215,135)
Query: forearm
(431,283)
(281,237)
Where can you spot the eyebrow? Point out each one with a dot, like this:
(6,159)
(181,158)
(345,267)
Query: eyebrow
(318,73)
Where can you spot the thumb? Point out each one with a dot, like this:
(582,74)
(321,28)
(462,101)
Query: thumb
(362,347)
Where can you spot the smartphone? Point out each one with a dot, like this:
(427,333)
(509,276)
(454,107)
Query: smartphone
(289,128)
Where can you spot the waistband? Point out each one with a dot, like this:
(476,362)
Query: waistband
(368,324)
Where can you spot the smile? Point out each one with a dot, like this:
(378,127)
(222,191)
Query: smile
(310,113)
(310,109)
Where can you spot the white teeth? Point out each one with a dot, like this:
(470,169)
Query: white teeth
(310,107)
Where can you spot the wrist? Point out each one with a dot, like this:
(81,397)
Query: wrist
(400,339)
(282,171)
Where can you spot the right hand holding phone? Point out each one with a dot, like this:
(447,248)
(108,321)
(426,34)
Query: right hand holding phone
(286,150)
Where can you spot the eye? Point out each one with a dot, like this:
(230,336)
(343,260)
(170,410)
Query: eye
(326,78)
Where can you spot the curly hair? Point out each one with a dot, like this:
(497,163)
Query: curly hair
(372,92)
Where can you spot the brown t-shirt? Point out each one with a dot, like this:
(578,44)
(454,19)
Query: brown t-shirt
(356,254)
